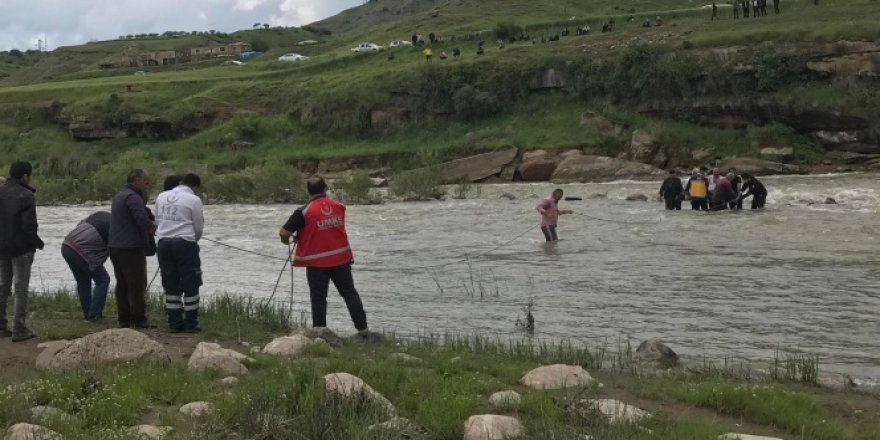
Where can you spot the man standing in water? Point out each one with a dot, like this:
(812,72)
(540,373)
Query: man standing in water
(672,191)
(752,187)
(322,247)
(550,212)
(697,189)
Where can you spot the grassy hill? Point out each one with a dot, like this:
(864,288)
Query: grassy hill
(288,113)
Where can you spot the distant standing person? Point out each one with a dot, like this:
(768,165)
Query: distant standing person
(776,6)
(550,212)
(85,249)
(19,242)
(736,183)
(181,221)
(697,189)
(672,191)
(754,188)
(322,247)
(429,54)
(714,12)
(735,9)
(131,229)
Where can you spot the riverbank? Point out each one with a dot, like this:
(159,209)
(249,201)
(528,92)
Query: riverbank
(436,382)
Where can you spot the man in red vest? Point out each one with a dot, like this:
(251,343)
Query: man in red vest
(323,249)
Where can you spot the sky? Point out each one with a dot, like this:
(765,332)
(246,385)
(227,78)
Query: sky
(71,22)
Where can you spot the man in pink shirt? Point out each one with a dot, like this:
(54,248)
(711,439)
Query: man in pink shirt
(550,212)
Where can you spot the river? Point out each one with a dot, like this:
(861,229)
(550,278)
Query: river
(801,275)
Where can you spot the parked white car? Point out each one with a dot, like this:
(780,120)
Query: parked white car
(306,43)
(400,43)
(293,57)
(367,47)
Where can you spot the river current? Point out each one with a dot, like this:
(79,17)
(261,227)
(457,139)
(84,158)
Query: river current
(800,275)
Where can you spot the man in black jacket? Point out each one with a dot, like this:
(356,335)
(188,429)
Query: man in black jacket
(132,227)
(672,191)
(754,188)
(18,243)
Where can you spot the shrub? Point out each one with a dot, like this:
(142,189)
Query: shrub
(260,45)
(506,31)
(774,71)
(471,104)
(356,188)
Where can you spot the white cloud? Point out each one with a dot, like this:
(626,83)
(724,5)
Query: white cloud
(69,22)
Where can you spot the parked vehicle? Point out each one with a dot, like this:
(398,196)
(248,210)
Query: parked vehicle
(400,43)
(367,47)
(306,43)
(293,57)
(250,54)
(231,63)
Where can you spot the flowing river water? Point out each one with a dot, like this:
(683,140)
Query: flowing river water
(801,275)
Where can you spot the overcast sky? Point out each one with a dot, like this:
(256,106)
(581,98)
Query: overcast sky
(68,22)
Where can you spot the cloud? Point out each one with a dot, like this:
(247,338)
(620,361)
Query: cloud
(70,22)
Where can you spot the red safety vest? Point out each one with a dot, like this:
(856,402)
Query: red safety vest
(323,242)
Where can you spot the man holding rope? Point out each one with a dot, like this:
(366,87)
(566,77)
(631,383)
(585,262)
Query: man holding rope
(322,247)
(550,212)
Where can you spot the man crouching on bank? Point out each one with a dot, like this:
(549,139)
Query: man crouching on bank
(322,247)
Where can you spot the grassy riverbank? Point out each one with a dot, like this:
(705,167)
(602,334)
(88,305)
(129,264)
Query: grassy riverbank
(280,399)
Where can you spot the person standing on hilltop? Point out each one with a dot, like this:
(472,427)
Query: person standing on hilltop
(19,242)
(132,228)
(735,9)
(181,219)
(429,54)
(85,251)
(715,12)
(672,191)
(776,6)
(322,247)
(550,212)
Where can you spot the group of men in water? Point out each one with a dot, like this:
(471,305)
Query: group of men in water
(713,192)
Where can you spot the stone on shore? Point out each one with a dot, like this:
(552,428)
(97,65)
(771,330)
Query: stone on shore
(492,427)
(350,387)
(587,168)
(505,399)
(47,414)
(400,428)
(553,377)
(406,358)
(229,381)
(293,346)
(323,333)
(735,436)
(102,348)
(655,354)
(614,411)
(209,356)
(26,431)
(150,432)
(196,409)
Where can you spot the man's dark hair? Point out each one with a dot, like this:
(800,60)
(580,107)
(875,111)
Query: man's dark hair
(672,172)
(558,191)
(171,182)
(316,185)
(135,175)
(20,169)
(191,180)
(747,176)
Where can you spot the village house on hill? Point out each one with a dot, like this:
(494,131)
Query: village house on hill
(170,57)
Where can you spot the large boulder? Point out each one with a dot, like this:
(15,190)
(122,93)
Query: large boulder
(537,166)
(643,147)
(782,154)
(588,168)
(859,148)
(558,376)
(597,123)
(612,410)
(26,431)
(655,354)
(831,138)
(853,158)
(350,387)
(492,427)
(288,346)
(209,356)
(758,167)
(102,348)
(479,167)
(864,64)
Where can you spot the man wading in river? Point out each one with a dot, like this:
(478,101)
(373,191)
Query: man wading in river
(322,247)
(550,212)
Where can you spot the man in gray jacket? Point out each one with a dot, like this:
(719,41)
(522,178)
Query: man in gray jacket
(18,243)
(131,229)
(85,251)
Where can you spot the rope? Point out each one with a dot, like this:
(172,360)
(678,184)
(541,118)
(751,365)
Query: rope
(243,249)
(624,222)
(283,268)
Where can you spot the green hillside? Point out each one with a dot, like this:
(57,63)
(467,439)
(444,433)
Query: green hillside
(234,122)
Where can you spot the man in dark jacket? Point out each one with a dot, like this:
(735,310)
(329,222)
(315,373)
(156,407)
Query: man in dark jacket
(131,229)
(754,188)
(736,183)
(672,191)
(18,243)
(723,194)
(85,251)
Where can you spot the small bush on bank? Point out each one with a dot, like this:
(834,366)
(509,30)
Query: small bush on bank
(470,103)
(356,189)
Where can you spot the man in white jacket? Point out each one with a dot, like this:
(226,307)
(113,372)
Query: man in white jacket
(181,220)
